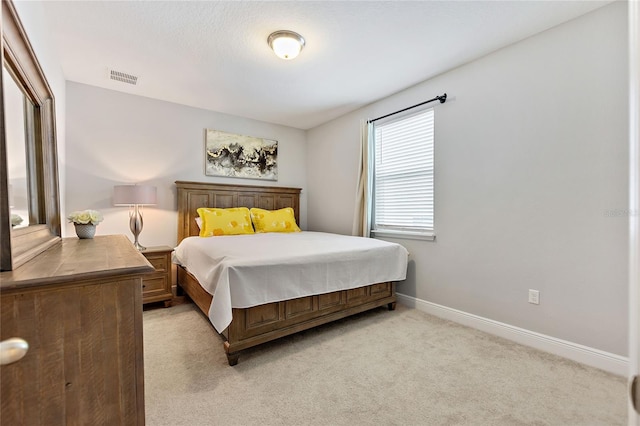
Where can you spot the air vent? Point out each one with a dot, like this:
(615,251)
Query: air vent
(123,77)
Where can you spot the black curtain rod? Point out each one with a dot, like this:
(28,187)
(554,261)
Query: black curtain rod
(442,100)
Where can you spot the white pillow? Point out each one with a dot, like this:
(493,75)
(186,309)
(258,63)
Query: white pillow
(199,222)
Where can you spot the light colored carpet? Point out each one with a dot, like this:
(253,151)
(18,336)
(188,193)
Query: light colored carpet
(393,368)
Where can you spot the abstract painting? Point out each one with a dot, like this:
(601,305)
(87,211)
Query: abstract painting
(231,155)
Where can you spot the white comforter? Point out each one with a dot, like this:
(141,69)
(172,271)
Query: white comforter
(241,271)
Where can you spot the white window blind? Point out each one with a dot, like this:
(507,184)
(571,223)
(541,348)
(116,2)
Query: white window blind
(403,174)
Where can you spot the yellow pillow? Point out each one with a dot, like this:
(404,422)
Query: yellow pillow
(281,220)
(232,221)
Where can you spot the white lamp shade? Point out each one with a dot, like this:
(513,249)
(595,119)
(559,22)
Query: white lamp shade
(126,195)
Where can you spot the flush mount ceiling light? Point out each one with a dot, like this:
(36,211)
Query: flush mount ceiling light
(286,44)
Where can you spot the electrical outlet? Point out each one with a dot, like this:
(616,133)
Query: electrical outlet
(534,297)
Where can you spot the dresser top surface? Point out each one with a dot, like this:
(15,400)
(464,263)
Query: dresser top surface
(75,259)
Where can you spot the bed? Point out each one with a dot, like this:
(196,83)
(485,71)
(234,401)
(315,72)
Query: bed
(279,316)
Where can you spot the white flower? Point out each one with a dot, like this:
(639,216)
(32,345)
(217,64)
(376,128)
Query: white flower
(84,217)
(15,219)
(95,216)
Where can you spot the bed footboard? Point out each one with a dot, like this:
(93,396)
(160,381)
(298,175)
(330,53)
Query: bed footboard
(263,323)
(260,324)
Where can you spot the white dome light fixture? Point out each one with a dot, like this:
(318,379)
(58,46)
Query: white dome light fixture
(286,44)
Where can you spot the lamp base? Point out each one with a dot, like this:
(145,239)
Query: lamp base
(139,246)
(135,224)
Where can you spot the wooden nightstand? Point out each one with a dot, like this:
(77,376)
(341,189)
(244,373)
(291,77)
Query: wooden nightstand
(156,286)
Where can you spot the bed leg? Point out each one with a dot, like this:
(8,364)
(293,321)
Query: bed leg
(391,306)
(232,357)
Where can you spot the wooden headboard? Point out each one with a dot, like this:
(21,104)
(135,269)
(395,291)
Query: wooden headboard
(192,195)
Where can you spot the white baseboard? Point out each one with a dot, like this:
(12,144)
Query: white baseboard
(612,363)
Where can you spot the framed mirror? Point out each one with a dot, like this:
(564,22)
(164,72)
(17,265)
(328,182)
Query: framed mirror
(29,194)
(17,108)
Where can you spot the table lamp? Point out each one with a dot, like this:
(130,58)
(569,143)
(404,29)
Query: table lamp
(135,196)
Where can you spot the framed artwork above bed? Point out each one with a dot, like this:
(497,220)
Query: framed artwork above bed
(233,155)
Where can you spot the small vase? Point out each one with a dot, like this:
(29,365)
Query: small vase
(85,231)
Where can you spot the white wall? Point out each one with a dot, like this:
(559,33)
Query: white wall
(115,138)
(35,24)
(531,158)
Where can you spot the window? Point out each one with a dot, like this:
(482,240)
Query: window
(403,202)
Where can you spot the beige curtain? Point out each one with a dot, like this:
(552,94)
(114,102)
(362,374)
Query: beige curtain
(361,218)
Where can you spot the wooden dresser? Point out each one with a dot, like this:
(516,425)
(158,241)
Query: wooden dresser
(79,306)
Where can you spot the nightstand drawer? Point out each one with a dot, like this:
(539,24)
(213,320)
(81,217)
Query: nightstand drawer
(153,284)
(158,262)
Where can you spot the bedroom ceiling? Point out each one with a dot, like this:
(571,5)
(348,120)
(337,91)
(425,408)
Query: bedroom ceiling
(214,54)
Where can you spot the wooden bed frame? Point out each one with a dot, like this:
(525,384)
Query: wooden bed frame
(260,324)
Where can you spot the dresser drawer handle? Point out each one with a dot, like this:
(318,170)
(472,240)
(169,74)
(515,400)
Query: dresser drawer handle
(12,350)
